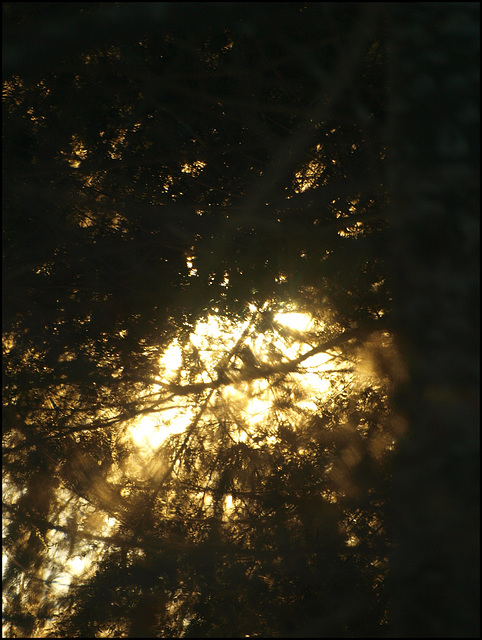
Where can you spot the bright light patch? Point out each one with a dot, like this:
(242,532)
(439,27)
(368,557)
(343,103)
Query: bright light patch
(4,563)
(293,320)
(205,329)
(150,432)
(316,361)
(215,333)
(76,565)
(228,505)
(190,266)
(171,360)
(147,434)
(256,410)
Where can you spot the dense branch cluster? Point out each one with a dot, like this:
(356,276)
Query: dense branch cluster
(159,179)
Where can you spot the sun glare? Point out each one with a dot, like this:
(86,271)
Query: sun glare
(171,360)
(240,350)
(147,434)
(150,431)
(294,320)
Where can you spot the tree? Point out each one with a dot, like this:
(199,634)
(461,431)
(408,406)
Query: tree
(435,222)
(232,171)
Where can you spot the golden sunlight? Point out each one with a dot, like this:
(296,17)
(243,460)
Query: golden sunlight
(241,351)
(294,320)
(147,434)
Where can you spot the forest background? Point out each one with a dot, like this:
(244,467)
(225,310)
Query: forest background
(251,232)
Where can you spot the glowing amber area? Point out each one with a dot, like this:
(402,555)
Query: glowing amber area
(242,352)
(254,381)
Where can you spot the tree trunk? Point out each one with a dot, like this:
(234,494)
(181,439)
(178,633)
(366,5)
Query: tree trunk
(433,143)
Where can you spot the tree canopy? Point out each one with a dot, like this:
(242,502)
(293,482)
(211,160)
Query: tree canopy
(199,346)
